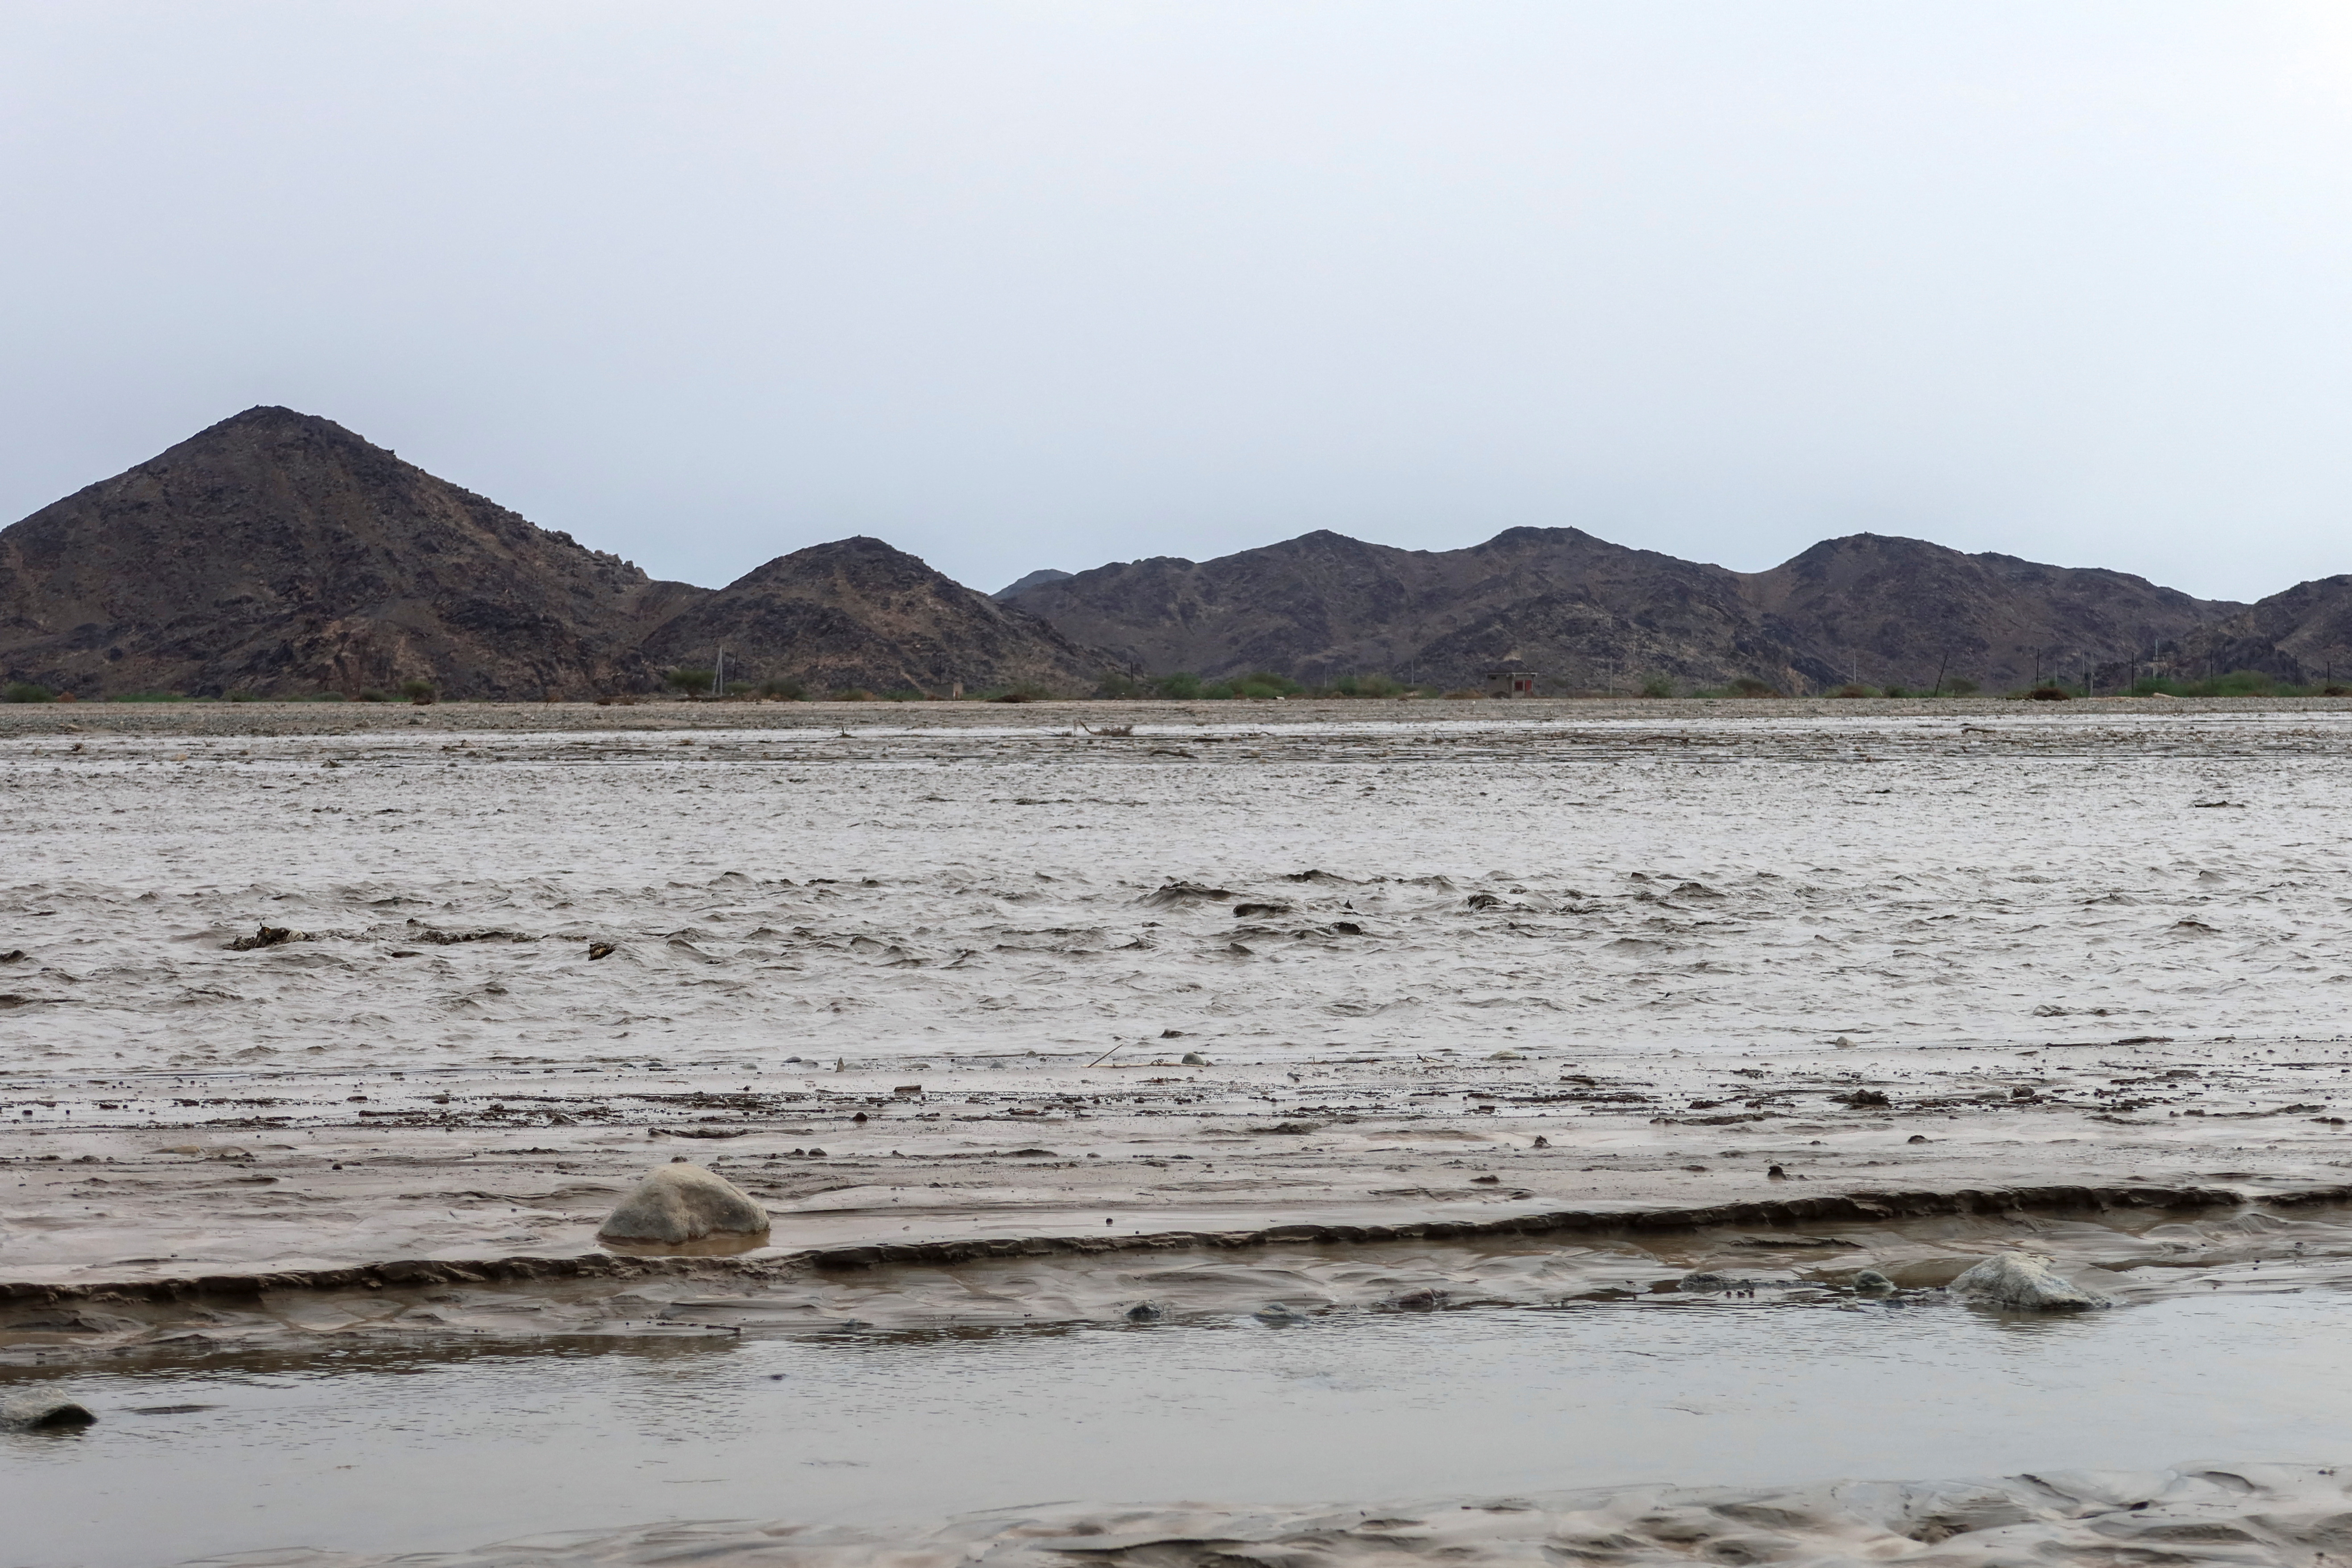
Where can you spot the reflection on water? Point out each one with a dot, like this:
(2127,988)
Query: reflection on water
(341,1447)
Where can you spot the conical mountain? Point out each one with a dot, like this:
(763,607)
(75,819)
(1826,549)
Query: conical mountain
(858,613)
(278,553)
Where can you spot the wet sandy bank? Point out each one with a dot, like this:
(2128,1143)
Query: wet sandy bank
(2125,1244)
(2216,1512)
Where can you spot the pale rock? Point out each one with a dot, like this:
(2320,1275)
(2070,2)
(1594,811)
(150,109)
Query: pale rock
(681,1202)
(2023,1282)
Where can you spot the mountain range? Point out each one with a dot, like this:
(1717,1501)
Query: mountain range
(279,554)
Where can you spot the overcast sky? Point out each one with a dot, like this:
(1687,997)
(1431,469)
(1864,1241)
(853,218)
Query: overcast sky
(1048,284)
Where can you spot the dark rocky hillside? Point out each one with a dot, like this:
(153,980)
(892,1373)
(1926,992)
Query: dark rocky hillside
(1896,611)
(857,613)
(2303,636)
(1589,614)
(278,553)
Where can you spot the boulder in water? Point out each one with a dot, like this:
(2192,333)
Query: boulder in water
(2023,1282)
(36,1412)
(681,1202)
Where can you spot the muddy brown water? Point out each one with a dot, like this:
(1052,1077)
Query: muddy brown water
(441,1445)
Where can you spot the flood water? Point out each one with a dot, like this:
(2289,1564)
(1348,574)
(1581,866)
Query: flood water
(383,1449)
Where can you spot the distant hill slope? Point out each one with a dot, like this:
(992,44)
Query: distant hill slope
(1324,604)
(2302,635)
(1043,574)
(278,553)
(1884,610)
(1591,615)
(857,613)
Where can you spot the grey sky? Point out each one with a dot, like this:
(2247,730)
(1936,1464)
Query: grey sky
(1015,285)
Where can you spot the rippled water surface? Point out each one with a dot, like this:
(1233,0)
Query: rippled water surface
(417,1448)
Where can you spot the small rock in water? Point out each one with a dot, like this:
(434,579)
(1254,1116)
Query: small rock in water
(683,1202)
(1872,1282)
(1274,1315)
(268,936)
(1194,1059)
(1706,1280)
(42,1411)
(597,949)
(2022,1282)
(1144,1312)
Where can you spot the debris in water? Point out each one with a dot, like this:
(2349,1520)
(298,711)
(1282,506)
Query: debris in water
(268,936)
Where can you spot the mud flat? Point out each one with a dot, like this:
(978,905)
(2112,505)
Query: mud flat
(925,982)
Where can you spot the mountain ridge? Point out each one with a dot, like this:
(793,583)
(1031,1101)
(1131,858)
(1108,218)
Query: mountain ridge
(278,553)
(1587,614)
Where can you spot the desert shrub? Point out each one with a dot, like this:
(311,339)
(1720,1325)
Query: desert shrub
(906,694)
(740,688)
(2334,690)
(241,696)
(782,688)
(321,697)
(2237,683)
(1657,686)
(1464,694)
(1184,686)
(25,691)
(1852,688)
(418,690)
(148,697)
(1958,686)
(369,694)
(2045,693)
(852,694)
(1121,686)
(1748,686)
(1902,692)
(688,682)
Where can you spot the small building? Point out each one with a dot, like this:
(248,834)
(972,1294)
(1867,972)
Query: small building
(1510,679)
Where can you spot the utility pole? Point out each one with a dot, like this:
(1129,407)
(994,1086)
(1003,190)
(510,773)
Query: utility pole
(718,676)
